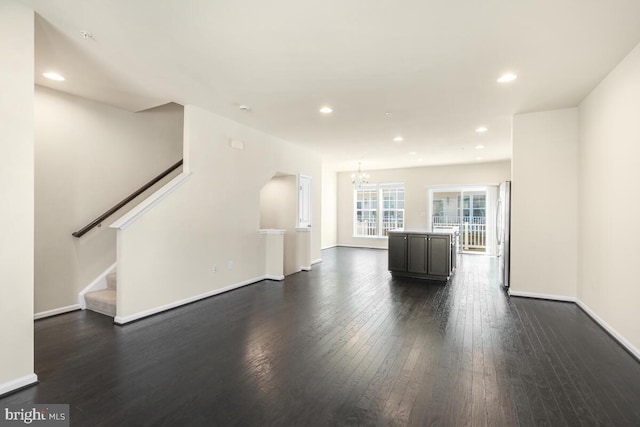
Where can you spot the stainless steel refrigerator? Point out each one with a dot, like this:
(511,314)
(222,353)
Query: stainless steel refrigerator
(503,232)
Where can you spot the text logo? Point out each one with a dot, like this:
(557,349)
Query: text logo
(35,415)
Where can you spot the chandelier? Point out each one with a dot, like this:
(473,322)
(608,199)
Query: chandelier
(360,178)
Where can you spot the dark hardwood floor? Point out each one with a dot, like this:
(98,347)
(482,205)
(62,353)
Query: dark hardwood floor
(343,344)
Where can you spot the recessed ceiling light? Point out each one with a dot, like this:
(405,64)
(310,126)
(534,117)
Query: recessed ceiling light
(506,78)
(398,139)
(388,113)
(479,147)
(481,129)
(412,153)
(53,76)
(479,158)
(420,159)
(326,110)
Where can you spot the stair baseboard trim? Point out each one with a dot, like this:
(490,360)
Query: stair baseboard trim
(122,320)
(272,277)
(98,284)
(541,296)
(17,384)
(132,216)
(634,351)
(56,311)
(318,261)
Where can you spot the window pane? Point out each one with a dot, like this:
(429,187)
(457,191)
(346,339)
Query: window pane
(478,202)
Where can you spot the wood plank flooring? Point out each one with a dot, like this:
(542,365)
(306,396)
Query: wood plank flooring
(343,344)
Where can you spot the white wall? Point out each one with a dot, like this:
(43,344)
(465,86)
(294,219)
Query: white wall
(279,210)
(166,256)
(16,191)
(544,203)
(329,208)
(89,156)
(609,203)
(416,184)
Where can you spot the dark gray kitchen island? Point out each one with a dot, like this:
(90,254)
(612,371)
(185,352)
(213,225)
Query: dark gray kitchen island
(422,254)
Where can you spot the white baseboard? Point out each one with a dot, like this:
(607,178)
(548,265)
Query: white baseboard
(541,296)
(270,277)
(121,320)
(615,334)
(305,268)
(362,246)
(18,383)
(318,261)
(328,247)
(98,284)
(56,311)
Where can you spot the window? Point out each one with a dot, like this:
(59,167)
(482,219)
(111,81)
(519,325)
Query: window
(378,209)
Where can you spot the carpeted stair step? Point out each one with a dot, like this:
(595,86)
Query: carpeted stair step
(103,302)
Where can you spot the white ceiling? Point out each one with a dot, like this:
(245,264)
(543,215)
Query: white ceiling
(433,64)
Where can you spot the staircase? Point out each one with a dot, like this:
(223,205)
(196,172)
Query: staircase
(103,301)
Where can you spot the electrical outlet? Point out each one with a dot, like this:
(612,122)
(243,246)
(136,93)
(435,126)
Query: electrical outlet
(230,265)
(214,269)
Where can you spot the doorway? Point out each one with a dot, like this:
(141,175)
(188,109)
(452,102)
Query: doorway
(468,210)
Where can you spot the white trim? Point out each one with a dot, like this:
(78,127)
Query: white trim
(615,334)
(271,231)
(541,296)
(304,229)
(121,320)
(271,277)
(318,261)
(130,217)
(57,311)
(362,246)
(305,268)
(98,284)
(329,247)
(370,237)
(304,200)
(9,386)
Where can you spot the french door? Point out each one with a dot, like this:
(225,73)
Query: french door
(467,210)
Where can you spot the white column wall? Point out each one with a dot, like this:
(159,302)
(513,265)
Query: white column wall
(609,203)
(544,204)
(16,191)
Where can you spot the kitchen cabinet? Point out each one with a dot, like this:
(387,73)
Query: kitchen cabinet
(398,252)
(417,254)
(421,254)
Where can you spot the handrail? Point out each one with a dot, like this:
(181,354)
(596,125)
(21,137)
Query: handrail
(96,222)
